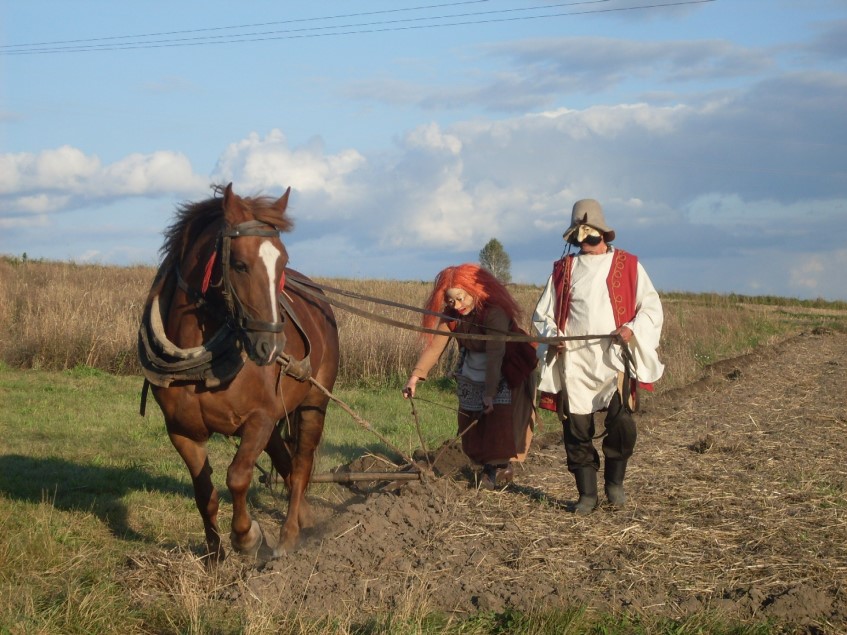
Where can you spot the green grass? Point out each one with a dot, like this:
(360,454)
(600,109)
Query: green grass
(391,415)
(87,485)
(84,479)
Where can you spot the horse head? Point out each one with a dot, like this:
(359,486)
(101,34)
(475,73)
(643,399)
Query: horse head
(253,261)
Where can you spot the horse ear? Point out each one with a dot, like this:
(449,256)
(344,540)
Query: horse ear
(282,202)
(231,205)
(281,220)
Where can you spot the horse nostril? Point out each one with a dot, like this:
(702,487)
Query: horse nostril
(264,351)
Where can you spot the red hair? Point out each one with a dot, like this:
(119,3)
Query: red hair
(479,283)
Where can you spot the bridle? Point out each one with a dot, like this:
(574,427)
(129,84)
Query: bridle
(236,316)
(240,317)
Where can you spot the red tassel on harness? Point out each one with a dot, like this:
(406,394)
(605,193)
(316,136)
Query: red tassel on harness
(282,281)
(207,276)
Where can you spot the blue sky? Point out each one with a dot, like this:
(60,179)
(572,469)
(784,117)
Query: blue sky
(714,133)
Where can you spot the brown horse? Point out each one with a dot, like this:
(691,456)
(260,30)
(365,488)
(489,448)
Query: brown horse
(229,350)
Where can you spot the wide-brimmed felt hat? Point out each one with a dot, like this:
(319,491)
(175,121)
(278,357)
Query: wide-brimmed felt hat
(587,211)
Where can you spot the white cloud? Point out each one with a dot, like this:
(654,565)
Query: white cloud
(142,175)
(269,164)
(443,216)
(812,275)
(43,203)
(67,173)
(21,222)
(431,137)
(63,168)
(91,256)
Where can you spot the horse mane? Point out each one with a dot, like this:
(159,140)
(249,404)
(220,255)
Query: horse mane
(192,219)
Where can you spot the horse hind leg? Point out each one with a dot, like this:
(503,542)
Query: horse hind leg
(281,451)
(196,459)
(308,423)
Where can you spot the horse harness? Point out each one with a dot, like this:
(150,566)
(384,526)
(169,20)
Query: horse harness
(218,360)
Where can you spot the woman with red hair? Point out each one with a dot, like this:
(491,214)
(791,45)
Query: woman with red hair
(495,382)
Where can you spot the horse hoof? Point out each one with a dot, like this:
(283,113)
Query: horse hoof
(287,543)
(252,541)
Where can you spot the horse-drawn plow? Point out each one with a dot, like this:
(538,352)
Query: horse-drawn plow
(233,342)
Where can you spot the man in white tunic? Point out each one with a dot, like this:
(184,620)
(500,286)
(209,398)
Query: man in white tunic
(601,291)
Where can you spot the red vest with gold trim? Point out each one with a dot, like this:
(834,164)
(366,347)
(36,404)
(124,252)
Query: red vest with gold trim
(622,284)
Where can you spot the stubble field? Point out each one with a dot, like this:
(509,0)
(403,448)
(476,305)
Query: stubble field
(736,509)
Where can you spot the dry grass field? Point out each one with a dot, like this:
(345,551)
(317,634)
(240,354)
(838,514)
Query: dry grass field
(56,315)
(737,507)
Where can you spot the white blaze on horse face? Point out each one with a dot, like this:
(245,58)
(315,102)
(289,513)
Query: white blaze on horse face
(269,255)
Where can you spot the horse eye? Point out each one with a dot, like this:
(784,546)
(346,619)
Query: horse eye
(239,266)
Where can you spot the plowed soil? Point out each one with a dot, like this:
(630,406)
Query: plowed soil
(737,506)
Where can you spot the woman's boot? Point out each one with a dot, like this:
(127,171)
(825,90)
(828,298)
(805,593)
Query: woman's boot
(488,477)
(504,475)
(614,474)
(586,485)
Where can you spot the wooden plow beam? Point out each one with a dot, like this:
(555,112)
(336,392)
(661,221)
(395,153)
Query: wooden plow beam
(351,477)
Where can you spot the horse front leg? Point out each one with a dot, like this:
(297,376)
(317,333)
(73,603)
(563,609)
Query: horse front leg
(310,424)
(246,536)
(196,459)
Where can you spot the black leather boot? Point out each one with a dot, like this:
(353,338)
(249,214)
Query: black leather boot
(614,475)
(586,485)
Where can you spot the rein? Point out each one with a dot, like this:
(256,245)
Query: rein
(316,290)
